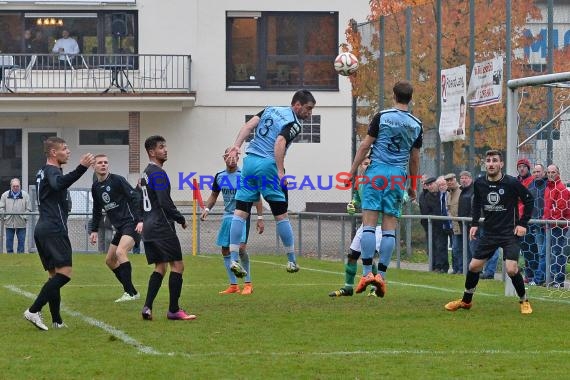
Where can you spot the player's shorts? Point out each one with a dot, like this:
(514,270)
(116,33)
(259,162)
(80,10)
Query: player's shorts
(126,229)
(385,190)
(224,232)
(355,245)
(54,250)
(259,176)
(488,244)
(162,251)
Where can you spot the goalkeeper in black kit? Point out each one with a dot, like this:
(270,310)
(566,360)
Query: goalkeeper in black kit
(497,194)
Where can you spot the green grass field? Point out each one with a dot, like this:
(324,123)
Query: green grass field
(289,328)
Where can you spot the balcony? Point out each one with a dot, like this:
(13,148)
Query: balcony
(133,80)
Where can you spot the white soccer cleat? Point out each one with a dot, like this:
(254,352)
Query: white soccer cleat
(292,267)
(35,319)
(127,297)
(61,325)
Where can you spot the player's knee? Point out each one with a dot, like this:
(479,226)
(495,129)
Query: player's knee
(353,255)
(244,206)
(278,207)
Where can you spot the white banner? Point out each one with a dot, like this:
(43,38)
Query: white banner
(452,119)
(486,83)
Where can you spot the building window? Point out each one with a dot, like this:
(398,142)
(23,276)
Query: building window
(310,130)
(282,50)
(103,137)
(96,32)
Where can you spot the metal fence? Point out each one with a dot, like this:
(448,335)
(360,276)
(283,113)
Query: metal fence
(94,73)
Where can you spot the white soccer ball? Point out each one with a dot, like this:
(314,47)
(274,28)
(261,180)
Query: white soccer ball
(346,63)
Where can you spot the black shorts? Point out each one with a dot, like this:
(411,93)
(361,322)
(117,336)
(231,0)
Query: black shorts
(163,251)
(54,250)
(488,244)
(127,229)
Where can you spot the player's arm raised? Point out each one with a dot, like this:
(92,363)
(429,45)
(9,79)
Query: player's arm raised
(244,132)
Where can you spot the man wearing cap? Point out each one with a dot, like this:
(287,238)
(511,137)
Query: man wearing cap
(453,205)
(525,177)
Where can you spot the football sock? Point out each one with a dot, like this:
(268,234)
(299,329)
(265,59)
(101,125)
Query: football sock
(55,300)
(175,287)
(117,272)
(368,242)
(244,258)
(154,283)
(471,281)
(386,248)
(236,232)
(349,273)
(374,269)
(49,291)
(518,283)
(285,232)
(127,279)
(231,275)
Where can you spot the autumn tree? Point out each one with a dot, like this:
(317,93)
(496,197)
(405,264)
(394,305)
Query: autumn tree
(490,40)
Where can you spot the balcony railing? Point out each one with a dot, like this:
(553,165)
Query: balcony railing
(94,73)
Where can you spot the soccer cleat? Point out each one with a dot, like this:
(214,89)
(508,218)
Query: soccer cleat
(380,285)
(372,292)
(525,307)
(231,289)
(237,269)
(292,267)
(61,325)
(127,297)
(35,319)
(180,315)
(458,304)
(247,289)
(146,313)
(342,292)
(364,282)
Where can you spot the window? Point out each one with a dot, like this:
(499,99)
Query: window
(282,50)
(310,130)
(105,32)
(103,137)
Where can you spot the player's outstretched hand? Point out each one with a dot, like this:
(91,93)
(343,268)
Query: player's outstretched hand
(87,160)
(204,214)
(93,238)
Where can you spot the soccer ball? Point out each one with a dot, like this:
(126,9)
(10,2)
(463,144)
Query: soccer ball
(346,63)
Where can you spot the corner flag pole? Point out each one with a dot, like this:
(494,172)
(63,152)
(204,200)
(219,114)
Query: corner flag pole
(196,200)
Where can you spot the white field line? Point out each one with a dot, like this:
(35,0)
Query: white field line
(122,336)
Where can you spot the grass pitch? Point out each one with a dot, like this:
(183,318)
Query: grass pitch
(288,328)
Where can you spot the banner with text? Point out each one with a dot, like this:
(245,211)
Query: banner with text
(486,83)
(452,119)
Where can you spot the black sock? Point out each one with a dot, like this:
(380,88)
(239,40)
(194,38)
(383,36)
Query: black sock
(55,297)
(518,283)
(154,283)
(126,278)
(175,287)
(471,281)
(49,291)
(117,272)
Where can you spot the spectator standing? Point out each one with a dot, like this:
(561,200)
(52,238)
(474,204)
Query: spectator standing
(525,177)
(557,207)
(453,209)
(14,203)
(536,235)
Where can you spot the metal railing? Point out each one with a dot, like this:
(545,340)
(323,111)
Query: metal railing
(95,73)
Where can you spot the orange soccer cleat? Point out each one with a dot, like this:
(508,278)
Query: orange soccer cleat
(231,289)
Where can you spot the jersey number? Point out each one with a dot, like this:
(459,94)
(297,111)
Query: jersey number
(394,145)
(264,129)
(146,200)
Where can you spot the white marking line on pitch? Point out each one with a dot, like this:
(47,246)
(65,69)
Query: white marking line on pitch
(122,336)
(423,286)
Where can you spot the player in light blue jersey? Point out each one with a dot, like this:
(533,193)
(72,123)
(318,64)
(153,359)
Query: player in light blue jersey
(395,137)
(226,182)
(263,170)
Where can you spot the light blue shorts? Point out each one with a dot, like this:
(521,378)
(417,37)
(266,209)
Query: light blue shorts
(259,176)
(224,233)
(385,190)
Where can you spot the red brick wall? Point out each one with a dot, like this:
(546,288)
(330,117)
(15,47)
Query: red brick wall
(134,142)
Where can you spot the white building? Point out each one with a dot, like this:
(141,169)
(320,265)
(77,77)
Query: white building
(198,69)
